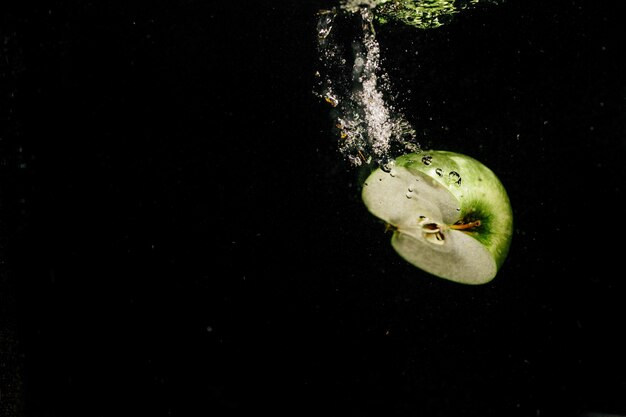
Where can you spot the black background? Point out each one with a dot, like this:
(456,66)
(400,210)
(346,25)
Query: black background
(181,236)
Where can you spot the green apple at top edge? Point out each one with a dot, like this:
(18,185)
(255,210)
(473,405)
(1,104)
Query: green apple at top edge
(449,213)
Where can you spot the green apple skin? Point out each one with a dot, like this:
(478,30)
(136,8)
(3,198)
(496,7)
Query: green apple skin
(479,197)
(421,14)
(480,193)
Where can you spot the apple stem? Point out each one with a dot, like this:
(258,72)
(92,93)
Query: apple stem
(465,226)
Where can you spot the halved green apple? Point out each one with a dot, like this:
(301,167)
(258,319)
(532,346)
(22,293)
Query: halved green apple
(450,214)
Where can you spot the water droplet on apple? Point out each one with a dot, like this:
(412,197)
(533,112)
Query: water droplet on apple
(454,177)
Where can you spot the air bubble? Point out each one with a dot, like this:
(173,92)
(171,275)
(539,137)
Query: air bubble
(409,195)
(454,177)
(387,165)
(427,159)
(439,172)
(410,188)
(325,24)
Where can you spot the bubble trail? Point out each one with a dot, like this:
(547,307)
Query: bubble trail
(369,127)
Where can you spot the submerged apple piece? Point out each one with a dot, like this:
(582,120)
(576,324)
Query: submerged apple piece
(422,14)
(449,213)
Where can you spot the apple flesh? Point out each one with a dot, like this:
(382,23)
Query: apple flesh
(450,214)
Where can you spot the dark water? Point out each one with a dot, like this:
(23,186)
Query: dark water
(182,237)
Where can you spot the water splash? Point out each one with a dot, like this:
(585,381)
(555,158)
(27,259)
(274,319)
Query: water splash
(369,125)
(422,14)
(354,6)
